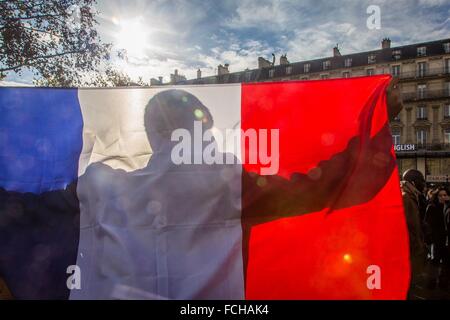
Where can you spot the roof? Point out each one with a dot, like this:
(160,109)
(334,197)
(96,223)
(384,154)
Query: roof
(359,59)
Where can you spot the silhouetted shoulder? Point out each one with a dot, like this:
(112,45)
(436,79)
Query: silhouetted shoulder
(27,206)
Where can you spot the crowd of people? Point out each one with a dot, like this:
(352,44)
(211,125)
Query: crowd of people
(427,210)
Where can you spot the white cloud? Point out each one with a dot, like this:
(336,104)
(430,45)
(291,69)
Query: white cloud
(432,3)
(317,42)
(265,14)
(239,60)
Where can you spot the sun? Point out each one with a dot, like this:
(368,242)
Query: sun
(133,36)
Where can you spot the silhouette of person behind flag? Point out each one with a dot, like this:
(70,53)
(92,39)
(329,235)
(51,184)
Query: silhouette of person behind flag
(182,231)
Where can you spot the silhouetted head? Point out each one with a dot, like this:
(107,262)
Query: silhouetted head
(416,178)
(170,110)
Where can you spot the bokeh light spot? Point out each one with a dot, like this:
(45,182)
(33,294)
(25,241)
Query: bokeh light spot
(261,182)
(198,114)
(347,258)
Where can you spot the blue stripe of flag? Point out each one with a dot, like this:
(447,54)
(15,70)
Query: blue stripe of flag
(40,138)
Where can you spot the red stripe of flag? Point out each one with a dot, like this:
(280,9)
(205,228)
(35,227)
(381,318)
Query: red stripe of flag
(334,134)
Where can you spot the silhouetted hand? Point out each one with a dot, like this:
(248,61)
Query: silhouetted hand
(394,99)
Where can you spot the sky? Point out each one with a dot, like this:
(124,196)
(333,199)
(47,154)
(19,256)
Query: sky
(163,35)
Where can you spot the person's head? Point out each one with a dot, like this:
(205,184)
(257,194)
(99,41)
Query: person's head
(442,195)
(170,110)
(416,178)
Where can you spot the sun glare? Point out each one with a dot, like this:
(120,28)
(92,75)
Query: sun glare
(133,37)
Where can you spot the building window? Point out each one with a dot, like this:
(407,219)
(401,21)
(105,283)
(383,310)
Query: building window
(433,166)
(447,47)
(326,65)
(421,112)
(421,136)
(421,51)
(288,69)
(324,76)
(447,136)
(396,136)
(447,111)
(447,66)
(447,89)
(371,58)
(248,76)
(237,77)
(397,54)
(348,62)
(395,71)
(421,91)
(406,163)
(346,74)
(271,73)
(421,69)
(370,72)
(306,68)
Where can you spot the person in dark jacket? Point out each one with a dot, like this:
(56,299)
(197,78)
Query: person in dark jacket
(413,185)
(437,221)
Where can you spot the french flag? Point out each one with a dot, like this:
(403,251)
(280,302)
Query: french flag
(284,190)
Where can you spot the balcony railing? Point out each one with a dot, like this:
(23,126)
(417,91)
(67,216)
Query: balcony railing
(419,74)
(426,94)
(408,148)
(433,146)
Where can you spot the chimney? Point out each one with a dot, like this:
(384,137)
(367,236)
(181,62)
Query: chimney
(263,63)
(175,77)
(386,43)
(336,52)
(222,69)
(284,60)
(155,82)
(199,73)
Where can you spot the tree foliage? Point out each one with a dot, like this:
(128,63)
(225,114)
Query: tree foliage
(111,77)
(56,39)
